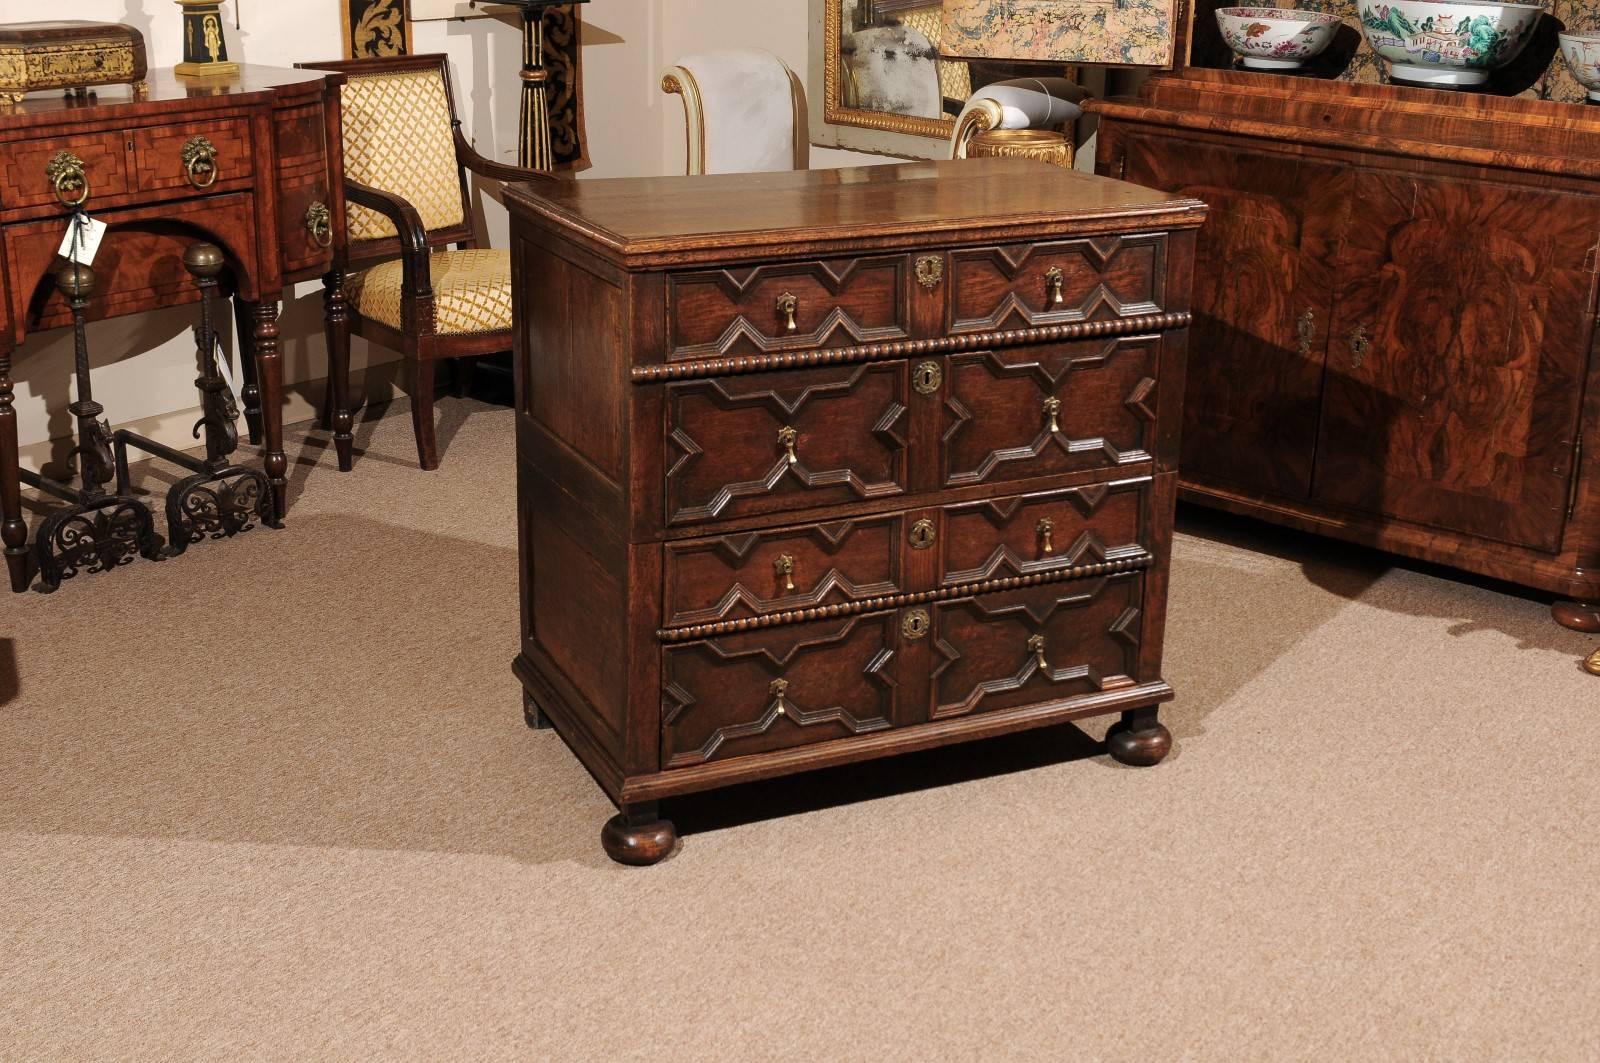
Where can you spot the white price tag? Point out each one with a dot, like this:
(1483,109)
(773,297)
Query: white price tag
(82,240)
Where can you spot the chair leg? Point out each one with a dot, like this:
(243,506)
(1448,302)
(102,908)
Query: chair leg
(336,416)
(422,411)
(461,376)
(250,388)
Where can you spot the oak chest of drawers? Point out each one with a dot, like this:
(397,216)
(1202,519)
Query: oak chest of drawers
(823,466)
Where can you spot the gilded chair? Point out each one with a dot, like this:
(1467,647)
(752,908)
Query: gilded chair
(396,280)
(743,109)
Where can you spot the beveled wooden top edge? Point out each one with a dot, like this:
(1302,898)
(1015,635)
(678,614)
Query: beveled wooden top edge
(647,221)
(115,102)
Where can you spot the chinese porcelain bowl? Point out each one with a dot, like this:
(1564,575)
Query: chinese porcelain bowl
(1446,44)
(1582,53)
(1275,38)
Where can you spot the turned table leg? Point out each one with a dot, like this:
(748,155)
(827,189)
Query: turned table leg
(1139,739)
(637,835)
(269,371)
(249,388)
(13,529)
(336,324)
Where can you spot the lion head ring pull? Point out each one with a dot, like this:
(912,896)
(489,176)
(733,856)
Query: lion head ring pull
(787,439)
(200,162)
(319,224)
(788,306)
(1036,647)
(68,178)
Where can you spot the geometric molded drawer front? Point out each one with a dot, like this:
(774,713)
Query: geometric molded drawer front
(768,442)
(1021,412)
(750,573)
(1024,534)
(1026,285)
(1045,643)
(779,688)
(788,306)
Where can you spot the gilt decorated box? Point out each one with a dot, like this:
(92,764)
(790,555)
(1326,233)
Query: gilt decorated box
(68,55)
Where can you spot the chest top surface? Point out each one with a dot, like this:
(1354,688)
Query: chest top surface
(641,221)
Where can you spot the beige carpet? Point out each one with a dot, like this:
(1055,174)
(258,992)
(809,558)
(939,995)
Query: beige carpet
(275,800)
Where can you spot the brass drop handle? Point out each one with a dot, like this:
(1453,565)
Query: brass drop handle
(1036,647)
(779,688)
(785,566)
(1054,279)
(200,162)
(1306,327)
(1052,410)
(788,306)
(1359,343)
(1046,528)
(319,224)
(69,179)
(787,438)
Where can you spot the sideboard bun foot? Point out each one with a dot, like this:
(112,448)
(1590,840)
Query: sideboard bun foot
(1579,616)
(637,836)
(1139,739)
(535,718)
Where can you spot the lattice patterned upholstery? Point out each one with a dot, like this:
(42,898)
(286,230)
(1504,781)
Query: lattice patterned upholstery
(397,139)
(471,291)
(955,77)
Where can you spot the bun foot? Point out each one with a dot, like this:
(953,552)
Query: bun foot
(531,713)
(637,836)
(1579,616)
(1139,739)
(1592,665)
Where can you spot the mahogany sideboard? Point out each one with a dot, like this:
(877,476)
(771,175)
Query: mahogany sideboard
(1394,338)
(242,162)
(824,466)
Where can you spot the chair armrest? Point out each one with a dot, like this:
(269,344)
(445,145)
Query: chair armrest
(468,156)
(415,277)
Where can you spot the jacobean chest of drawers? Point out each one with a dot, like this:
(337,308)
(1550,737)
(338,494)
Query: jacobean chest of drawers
(825,466)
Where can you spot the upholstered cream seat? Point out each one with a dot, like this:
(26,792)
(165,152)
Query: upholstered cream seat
(743,109)
(471,291)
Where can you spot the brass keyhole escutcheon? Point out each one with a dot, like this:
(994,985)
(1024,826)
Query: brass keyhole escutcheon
(927,377)
(1036,647)
(1359,344)
(930,268)
(785,567)
(914,624)
(779,688)
(923,534)
(1052,411)
(1054,279)
(1306,328)
(787,439)
(788,306)
(1046,529)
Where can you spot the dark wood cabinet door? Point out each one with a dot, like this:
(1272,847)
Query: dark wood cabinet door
(1262,287)
(1455,368)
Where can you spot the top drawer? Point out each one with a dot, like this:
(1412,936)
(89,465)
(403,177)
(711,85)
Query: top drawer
(25,171)
(160,158)
(787,306)
(1027,285)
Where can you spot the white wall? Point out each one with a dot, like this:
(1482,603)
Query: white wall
(144,366)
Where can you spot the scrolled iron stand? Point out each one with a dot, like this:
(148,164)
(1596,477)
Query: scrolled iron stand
(99,531)
(220,499)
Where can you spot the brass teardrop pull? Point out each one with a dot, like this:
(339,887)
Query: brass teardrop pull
(1052,408)
(1054,279)
(785,566)
(788,306)
(778,689)
(787,438)
(1046,529)
(1036,647)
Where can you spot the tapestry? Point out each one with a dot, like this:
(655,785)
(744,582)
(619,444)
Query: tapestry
(375,28)
(1117,32)
(563,60)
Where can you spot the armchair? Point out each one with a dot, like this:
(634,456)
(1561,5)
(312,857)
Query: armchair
(395,280)
(743,111)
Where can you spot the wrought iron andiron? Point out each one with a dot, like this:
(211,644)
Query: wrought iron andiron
(98,531)
(220,500)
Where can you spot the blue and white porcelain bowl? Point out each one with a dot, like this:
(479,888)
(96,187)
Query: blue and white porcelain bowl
(1447,44)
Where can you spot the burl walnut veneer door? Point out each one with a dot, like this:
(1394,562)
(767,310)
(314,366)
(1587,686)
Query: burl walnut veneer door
(1262,297)
(1456,368)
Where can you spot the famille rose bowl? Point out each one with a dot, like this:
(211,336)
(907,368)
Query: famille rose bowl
(1275,38)
(1582,53)
(1446,44)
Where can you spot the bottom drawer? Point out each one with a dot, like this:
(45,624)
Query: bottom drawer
(796,684)
(1045,643)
